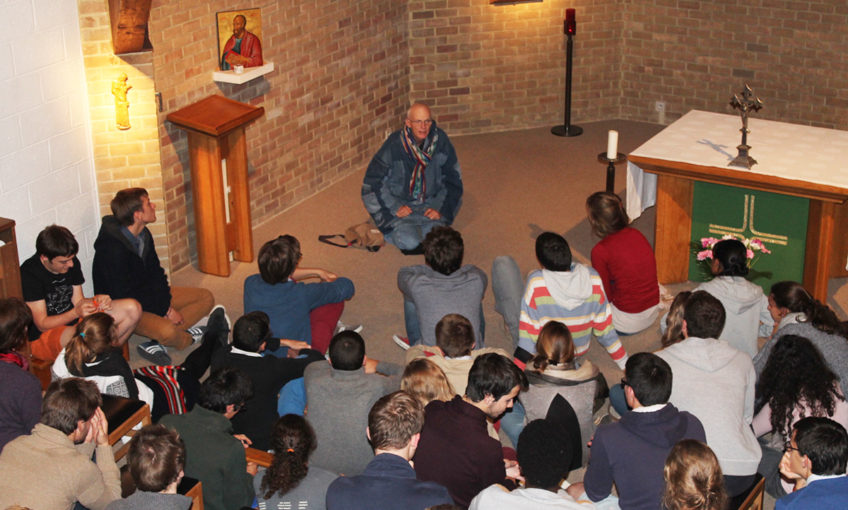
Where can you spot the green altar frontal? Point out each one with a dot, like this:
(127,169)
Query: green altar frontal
(779,221)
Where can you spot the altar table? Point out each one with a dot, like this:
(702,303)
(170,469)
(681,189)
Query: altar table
(792,160)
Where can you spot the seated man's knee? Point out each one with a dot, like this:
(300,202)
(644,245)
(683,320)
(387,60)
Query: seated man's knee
(128,309)
(506,275)
(504,263)
(206,298)
(406,237)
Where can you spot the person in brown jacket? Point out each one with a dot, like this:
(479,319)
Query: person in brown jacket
(52,468)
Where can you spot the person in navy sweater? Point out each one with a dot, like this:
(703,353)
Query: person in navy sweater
(816,459)
(388,482)
(632,452)
(251,337)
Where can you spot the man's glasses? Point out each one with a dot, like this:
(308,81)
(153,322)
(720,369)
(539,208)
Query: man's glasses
(422,122)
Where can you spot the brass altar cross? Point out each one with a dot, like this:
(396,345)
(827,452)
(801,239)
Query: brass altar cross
(745,104)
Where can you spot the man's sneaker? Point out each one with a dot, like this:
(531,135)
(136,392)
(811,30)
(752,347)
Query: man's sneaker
(196,333)
(418,250)
(205,324)
(219,324)
(341,326)
(402,342)
(155,353)
(613,413)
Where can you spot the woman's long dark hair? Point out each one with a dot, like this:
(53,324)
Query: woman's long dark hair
(293,441)
(795,298)
(797,373)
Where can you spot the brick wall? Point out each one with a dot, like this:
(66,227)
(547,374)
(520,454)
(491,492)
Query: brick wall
(122,158)
(345,72)
(490,67)
(500,67)
(340,84)
(696,55)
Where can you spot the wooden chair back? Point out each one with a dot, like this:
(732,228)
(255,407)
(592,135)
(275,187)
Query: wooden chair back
(754,500)
(123,415)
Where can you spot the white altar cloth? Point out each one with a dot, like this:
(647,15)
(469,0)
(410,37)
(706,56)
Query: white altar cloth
(793,151)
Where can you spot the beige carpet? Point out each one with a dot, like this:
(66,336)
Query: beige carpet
(517,184)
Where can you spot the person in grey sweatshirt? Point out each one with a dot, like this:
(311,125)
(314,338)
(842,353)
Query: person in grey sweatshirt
(745,305)
(156,458)
(716,382)
(440,287)
(339,395)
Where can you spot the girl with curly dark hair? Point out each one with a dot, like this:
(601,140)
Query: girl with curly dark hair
(796,382)
(289,480)
(796,312)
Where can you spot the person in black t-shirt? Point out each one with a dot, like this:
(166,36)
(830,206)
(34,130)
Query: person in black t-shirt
(52,287)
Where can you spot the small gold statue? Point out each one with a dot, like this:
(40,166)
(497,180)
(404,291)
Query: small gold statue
(122,105)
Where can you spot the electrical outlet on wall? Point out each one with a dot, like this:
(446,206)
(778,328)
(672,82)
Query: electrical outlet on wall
(659,107)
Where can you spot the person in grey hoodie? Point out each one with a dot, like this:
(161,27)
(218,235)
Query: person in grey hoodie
(716,382)
(745,305)
(632,452)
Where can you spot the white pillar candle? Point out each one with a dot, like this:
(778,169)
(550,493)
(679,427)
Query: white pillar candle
(612,144)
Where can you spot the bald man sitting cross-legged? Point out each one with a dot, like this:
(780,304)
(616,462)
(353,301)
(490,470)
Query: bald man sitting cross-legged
(413,183)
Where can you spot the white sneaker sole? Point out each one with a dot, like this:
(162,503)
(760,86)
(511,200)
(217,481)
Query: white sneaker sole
(398,340)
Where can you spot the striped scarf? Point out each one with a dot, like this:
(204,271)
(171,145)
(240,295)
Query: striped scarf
(15,359)
(166,378)
(417,183)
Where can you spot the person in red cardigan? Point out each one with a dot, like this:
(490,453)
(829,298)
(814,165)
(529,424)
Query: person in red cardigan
(625,261)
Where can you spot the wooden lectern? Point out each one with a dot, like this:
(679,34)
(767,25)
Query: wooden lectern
(218,152)
(10,269)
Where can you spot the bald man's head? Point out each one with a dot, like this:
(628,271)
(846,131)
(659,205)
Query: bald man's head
(418,119)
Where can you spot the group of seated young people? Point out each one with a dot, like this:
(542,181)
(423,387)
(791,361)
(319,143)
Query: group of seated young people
(350,432)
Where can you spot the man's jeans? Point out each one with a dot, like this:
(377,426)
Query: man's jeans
(509,289)
(409,231)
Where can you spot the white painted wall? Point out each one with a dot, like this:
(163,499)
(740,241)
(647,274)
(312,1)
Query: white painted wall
(46,156)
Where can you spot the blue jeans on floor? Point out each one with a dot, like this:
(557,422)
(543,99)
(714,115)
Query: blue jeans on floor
(413,326)
(508,287)
(618,400)
(512,422)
